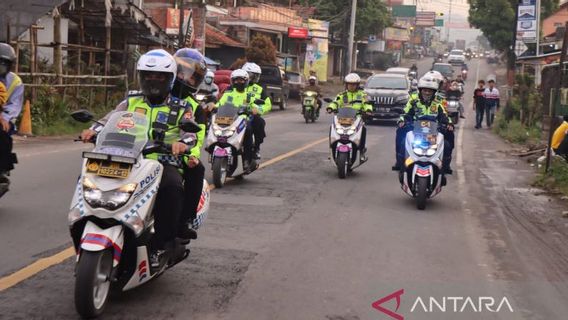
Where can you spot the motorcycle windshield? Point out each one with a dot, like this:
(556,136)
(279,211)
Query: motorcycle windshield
(425,131)
(125,134)
(346,116)
(226,114)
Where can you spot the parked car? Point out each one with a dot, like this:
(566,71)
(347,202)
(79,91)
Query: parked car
(399,70)
(492,58)
(456,57)
(388,93)
(296,81)
(277,88)
(445,69)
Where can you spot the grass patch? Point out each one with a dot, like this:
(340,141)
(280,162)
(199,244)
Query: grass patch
(556,180)
(61,126)
(514,131)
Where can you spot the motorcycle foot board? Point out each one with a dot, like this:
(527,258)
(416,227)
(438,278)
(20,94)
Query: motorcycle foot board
(142,272)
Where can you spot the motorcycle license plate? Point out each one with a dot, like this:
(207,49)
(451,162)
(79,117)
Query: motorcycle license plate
(345,121)
(108,169)
(224,121)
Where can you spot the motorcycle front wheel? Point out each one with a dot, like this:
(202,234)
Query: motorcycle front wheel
(421,192)
(92,283)
(219,172)
(342,163)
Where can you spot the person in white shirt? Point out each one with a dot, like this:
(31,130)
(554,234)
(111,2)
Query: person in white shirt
(492,100)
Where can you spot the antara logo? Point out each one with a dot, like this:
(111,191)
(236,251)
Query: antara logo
(454,304)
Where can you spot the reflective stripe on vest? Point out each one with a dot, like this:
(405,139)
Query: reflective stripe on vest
(16,81)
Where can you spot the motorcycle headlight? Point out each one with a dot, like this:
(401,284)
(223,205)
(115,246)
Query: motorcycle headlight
(110,200)
(218,132)
(350,131)
(418,151)
(340,130)
(229,132)
(430,152)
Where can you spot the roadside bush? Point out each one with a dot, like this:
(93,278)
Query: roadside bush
(514,131)
(556,180)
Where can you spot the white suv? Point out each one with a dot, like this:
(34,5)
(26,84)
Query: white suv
(456,57)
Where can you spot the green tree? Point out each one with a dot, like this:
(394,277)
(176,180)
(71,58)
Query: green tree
(261,50)
(372,15)
(496,19)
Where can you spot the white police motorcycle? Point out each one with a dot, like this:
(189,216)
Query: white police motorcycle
(225,143)
(111,217)
(422,177)
(345,138)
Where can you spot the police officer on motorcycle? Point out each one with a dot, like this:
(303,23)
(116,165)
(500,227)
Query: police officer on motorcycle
(11,109)
(157,70)
(354,97)
(313,86)
(238,96)
(426,104)
(191,72)
(258,92)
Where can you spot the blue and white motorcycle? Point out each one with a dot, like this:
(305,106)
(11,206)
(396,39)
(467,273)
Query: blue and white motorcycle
(422,177)
(111,219)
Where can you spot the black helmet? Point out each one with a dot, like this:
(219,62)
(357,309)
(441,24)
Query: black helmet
(7,58)
(7,52)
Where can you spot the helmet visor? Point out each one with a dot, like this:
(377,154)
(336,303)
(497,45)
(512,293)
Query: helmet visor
(190,71)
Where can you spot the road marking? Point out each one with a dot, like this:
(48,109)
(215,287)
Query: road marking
(44,263)
(34,268)
(459,156)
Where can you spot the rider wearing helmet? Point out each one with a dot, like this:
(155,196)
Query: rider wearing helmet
(208,86)
(11,109)
(157,70)
(353,97)
(313,86)
(191,72)
(237,96)
(426,104)
(259,92)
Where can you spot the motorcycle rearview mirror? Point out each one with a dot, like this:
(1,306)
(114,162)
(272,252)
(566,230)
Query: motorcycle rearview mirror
(82,116)
(328,100)
(189,125)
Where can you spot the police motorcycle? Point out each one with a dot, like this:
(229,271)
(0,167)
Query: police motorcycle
(204,98)
(111,217)
(344,139)
(225,143)
(453,108)
(309,106)
(422,177)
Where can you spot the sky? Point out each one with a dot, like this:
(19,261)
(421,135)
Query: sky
(460,26)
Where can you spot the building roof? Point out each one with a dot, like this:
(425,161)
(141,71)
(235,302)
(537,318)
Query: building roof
(21,14)
(216,38)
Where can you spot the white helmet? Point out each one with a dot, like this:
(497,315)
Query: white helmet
(209,77)
(435,75)
(352,78)
(428,82)
(313,78)
(254,71)
(156,61)
(239,73)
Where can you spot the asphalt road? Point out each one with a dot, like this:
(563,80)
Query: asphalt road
(292,241)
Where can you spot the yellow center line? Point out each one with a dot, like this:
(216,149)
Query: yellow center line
(44,263)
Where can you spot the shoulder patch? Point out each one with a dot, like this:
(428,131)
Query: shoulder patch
(134,93)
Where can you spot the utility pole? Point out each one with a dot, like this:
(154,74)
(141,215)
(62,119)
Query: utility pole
(559,81)
(181,37)
(449,22)
(351,36)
